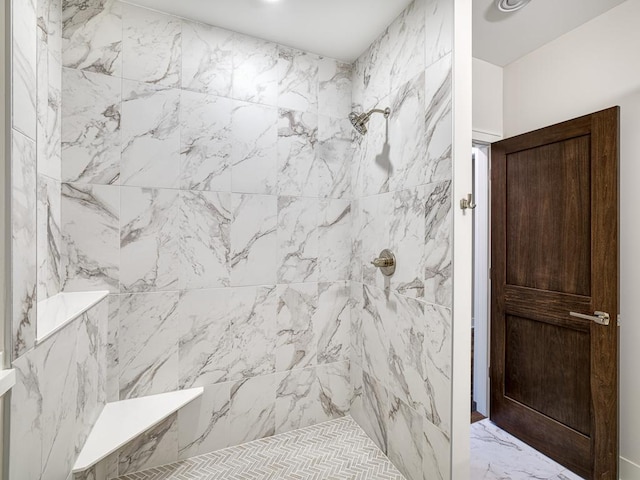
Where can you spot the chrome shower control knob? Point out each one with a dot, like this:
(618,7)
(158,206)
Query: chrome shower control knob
(386,262)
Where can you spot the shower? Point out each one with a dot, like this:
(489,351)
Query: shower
(359,121)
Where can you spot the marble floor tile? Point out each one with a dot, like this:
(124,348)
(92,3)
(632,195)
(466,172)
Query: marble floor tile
(336,450)
(497,455)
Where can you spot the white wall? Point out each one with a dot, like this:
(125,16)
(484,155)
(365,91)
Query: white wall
(591,68)
(487,101)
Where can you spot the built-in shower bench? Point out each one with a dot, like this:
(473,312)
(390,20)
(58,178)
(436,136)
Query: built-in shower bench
(121,422)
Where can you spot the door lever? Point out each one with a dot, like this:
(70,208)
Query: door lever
(601,318)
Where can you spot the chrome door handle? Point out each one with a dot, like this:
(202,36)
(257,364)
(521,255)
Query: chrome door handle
(601,318)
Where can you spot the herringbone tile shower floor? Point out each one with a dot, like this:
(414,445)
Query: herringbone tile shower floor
(335,450)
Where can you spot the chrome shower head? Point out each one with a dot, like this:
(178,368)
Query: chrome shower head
(359,121)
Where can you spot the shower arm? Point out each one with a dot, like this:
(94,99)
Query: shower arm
(366,116)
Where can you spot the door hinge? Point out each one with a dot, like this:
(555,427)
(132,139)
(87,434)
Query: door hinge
(618,319)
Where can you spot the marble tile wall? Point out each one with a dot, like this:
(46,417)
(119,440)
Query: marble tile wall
(61,382)
(212,183)
(35,146)
(24,179)
(206,185)
(401,183)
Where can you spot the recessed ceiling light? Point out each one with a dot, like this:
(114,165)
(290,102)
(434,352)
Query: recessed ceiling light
(511,5)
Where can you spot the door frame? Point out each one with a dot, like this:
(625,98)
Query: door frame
(481,277)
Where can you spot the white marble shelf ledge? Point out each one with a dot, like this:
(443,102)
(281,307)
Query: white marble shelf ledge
(7,380)
(123,421)
(57,311)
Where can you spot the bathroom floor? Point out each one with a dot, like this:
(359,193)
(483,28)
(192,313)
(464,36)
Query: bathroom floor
(496,455)
(338,450)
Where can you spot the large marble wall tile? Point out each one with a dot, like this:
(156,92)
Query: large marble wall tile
(407,136)
(375,337)
(373,165)
(297,80)
(436,453)
(149,239)
(148,344)
(438,342)
(253,240)
(91,226)
(374,232)
(49,86)
(91,127)
(438,243)
(255,70)
(24,61)
(91,368)
(113,347)
(405,439)
(207,59)
(372,74)
(406,347)
(375,405)
(407,241)
(356,299)
(151,46)
(335,389)
(298,400)
(202,424)
(26,426)
(252,409)
(297,343)
(439,120)
(407,44)
(334,233)
(309,396)
(438,30)
(297,150)
(205,239)
(404,321)
(334,88)
(159,446)
(332,322)
(150,135)
(92,36)
(49,237)
(356,241)
(335,157)
(254,151)
(226,334)
(205,142)
(57,362)
(23,242)
(297,239)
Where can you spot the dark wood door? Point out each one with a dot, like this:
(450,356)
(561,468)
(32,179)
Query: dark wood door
(554,250)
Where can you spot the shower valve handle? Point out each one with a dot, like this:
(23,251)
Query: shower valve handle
(383,262)
(386,262)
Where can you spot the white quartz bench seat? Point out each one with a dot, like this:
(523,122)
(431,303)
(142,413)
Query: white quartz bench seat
(57,311)
(123,421)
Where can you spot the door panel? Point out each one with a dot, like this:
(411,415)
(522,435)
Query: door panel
(554,201)
(533,352)
(548,217)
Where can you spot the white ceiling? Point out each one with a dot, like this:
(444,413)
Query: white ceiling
(500,38)
(341,29)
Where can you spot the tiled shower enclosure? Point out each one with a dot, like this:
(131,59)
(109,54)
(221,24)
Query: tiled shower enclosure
(211,182)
